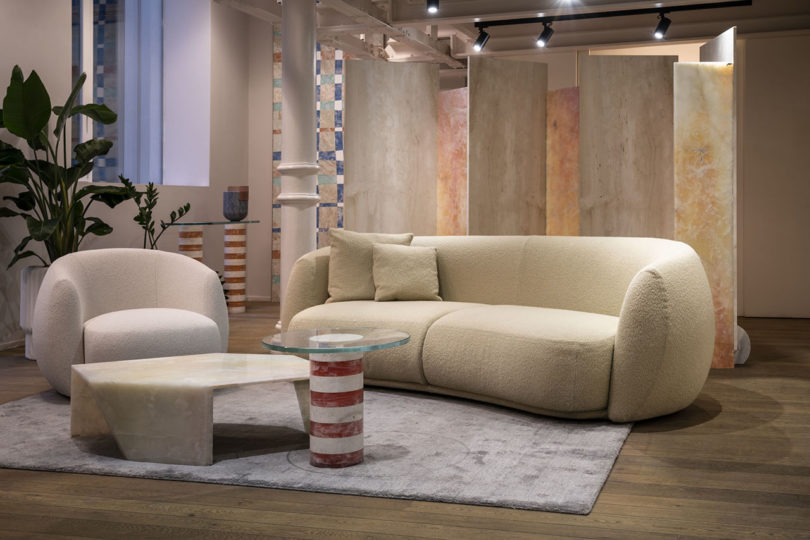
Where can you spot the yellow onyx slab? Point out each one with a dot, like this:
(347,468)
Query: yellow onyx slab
(161,409)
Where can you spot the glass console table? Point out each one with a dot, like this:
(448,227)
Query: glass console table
(190,243)
(336,386)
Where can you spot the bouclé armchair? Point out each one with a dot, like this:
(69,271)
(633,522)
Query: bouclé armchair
(122,304)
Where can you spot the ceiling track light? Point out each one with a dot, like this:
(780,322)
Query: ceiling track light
(663,26)
(481,42)
(545,35)
(432,6)
(659,33)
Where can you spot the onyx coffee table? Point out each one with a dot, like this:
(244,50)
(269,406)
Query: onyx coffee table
(336,386)
(161,409)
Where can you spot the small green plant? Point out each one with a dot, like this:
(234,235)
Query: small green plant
(146,201)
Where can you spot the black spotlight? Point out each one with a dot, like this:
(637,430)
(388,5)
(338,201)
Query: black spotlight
(545,35)
(483,37)
(432,6)
(661,29)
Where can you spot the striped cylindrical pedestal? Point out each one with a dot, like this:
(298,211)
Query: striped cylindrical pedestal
(235,266)
(190,242)
(336,409)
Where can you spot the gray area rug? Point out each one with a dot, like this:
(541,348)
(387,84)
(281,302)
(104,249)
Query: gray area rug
(418,446)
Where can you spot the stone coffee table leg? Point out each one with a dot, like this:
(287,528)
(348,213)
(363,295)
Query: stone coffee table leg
(336,409)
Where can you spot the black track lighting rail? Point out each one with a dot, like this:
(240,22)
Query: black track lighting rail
(601,14)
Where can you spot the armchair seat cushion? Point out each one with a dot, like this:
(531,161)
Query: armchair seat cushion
(551,359)
(148,333)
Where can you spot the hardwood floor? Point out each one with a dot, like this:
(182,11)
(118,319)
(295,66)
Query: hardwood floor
(734,464)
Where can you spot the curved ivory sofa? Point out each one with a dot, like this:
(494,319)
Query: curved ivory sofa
(121,304)
(575,327)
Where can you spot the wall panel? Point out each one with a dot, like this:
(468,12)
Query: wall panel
(507,146)
(391,148)
(451,196)
(626,176)
(562,162)
(704,185)
(774,150)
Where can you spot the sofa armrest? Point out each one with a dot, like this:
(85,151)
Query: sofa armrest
(308,285)
(665,339)
(58,329)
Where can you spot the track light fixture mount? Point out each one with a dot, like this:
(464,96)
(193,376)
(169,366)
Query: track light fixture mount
(547,20)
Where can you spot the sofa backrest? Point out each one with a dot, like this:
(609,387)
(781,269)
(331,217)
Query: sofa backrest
(578,273)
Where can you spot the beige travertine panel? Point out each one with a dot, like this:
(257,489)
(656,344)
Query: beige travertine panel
(507,146)
(625,159)
(390,146)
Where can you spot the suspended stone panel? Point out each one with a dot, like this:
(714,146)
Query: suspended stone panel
(625,162)
(704,185)
(562,162)
(451,196)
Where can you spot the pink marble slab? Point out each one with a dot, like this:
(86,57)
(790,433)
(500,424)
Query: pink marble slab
(452,164)
(562,162)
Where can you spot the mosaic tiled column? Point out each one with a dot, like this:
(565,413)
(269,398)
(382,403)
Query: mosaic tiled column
(235,266)
(336,409)
(190,242)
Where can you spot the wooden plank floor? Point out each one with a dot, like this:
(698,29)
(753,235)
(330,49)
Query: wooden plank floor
(734,464)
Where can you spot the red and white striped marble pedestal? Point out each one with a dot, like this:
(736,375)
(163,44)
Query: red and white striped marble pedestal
(191,241)
(336,409)
(236,266)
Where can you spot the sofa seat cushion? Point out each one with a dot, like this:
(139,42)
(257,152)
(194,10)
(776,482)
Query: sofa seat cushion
(552,359)
(149,333)
(401,364)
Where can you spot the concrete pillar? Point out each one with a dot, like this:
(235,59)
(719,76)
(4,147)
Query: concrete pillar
(299,158)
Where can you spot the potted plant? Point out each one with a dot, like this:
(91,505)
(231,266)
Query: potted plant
(51,200)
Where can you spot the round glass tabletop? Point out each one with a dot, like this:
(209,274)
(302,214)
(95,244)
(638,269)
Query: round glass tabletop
(335,340)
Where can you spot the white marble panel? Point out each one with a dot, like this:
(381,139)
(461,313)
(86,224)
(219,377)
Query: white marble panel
(721,48)
(507,146)
(390,146)
(625,159)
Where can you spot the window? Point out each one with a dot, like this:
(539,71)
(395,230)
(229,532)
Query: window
(151,65)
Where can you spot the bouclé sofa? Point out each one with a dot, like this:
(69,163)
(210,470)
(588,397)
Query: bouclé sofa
(574,327)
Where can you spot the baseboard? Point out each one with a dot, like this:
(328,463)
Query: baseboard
(252,298)
(11,344)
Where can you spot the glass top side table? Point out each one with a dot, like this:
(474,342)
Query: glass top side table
(336,386)
(190,243)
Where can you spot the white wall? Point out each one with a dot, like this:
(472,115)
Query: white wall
(187,70)
(35,34)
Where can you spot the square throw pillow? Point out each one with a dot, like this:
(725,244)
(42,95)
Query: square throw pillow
(405,273)
(351,262)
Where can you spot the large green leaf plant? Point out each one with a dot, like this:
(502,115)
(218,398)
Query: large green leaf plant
(52,201)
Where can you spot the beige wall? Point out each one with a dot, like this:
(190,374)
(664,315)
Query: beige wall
(774,222)
(35,34)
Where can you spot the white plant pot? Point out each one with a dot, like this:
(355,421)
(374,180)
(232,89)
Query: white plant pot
(30,280)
